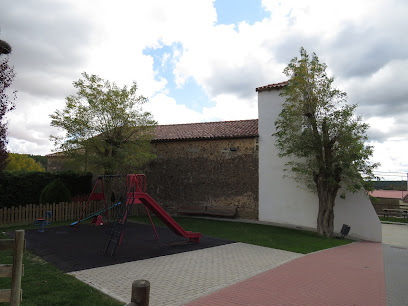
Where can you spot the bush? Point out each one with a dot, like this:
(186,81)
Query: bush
(55,192)
(22,188)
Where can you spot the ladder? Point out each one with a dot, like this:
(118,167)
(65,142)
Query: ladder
(115,232)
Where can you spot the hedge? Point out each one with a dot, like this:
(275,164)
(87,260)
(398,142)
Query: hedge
(21,188)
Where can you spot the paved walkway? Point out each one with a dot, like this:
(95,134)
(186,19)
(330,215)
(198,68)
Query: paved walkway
(395,252)
(361,273)
(394,234)
(180,278)
(347,275)
(396,274)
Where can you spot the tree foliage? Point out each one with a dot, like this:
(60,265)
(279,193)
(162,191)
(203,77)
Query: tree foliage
(6,104)
(42,160)
(105,128)
(321,137)
(22,162)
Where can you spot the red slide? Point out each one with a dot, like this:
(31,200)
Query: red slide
(165,217)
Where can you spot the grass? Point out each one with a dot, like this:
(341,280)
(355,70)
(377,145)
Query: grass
(44,284)
(394,219)
(264,235)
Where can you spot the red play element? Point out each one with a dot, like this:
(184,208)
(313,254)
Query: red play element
(99,221)
(138,182)
(166,218)
(95,196)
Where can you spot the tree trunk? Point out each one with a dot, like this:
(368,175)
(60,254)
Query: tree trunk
(325,218)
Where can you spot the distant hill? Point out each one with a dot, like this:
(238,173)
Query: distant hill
(390,185)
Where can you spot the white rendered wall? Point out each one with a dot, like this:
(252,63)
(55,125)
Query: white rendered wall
(282,201)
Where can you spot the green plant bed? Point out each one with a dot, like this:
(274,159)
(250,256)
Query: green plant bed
(43,284)
(394,219)
(293,240)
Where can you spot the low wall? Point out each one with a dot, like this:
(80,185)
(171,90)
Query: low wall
(380,204)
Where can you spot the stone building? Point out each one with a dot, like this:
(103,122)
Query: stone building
(211,163)
(236,163)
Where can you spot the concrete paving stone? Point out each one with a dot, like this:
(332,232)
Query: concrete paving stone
(396,271)
(180,278)
(394,234)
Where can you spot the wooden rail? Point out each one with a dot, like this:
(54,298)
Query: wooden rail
(23,215)
(15,271)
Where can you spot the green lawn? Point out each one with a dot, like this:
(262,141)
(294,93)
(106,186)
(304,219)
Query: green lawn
(43,284)
(393,219)
(264,235)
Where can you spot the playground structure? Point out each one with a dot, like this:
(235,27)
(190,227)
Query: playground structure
(134,193)
(43,222)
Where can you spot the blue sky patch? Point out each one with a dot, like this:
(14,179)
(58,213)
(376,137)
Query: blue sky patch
(190,94)
(236,11)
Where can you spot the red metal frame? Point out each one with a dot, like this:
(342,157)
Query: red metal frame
(136,194)
(136,183)
(95,196)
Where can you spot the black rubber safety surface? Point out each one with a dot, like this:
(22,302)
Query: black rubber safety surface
(84,248)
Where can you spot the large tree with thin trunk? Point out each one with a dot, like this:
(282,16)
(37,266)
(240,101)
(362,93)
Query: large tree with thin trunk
(6,100)
(321,137)
(105,128)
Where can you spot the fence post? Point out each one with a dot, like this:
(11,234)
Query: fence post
(17,268)
(140,293)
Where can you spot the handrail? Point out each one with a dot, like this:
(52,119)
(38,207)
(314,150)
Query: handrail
(138,181)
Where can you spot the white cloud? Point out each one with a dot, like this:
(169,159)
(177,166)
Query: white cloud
(392,156)
(166,111)
(230,107)
(363,43)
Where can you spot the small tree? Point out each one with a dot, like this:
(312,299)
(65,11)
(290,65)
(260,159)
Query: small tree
(322,137)
(6,101)
(22,162)
(105,127)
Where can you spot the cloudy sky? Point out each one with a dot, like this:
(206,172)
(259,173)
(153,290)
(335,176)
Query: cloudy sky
(201,60)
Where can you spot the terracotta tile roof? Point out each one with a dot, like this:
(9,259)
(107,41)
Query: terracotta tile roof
(207,130)
(389,194)
(204,130)
(275,86)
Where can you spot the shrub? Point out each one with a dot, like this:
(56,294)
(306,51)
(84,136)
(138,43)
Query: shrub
(55,192)
(22,188)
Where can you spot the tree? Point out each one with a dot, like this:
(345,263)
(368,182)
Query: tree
(105,126)
(321,137)
(6,101)
(42,160)
(22,162)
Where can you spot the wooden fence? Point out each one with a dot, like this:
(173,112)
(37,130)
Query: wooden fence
(23,215)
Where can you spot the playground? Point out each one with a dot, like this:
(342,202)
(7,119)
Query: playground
(73,250)
(91,243)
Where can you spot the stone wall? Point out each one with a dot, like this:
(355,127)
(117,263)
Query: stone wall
(383,203)
(220,172)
